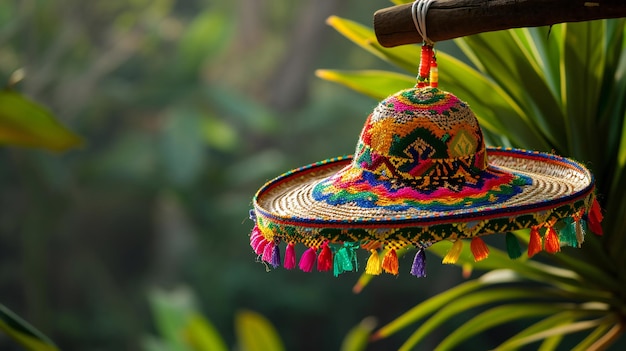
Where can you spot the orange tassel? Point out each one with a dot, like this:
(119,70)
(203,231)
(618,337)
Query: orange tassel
(479,249)
(534,245)
(390,262)
(552,241)
(455,252)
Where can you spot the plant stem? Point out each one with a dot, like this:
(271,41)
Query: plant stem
(609,338)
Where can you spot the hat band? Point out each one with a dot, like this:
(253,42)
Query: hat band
(403,168)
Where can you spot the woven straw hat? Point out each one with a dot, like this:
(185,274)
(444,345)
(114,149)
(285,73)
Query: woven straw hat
(420,174)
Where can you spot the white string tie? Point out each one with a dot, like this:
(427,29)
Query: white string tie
(418,11)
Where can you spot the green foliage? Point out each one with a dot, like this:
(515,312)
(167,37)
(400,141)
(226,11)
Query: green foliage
(24,333)
(25,123)
(558,89)
(182,328)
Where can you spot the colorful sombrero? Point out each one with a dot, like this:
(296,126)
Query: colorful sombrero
(421,173)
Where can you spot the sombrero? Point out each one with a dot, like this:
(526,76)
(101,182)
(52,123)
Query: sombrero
(421,173)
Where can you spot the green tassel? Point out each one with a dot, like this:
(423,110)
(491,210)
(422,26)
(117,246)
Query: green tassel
(567,234)
(512,246)
(345,258)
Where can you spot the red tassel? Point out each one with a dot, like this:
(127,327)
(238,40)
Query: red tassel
(552,241)
(308,260)
(479,249)
(390,262)
(534,245)
(325,259)
(290,257)
(595,218)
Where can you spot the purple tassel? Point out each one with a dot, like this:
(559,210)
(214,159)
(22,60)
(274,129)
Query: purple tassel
(418,268)
(267,252)
(275,261)
(307,261)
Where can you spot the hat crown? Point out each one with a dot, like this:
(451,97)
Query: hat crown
(421,133)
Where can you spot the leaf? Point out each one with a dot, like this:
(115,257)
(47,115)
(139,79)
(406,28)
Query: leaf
(376,84)
(171,311)
(256,333)
(358,337)
(471,300)
(25,123)
(24,333)
(200,335)
(406,57)
(436,302)
(498,316)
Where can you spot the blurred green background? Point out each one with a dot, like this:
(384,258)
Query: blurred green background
(187,108)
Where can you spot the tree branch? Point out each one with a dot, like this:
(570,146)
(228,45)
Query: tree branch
(448,19)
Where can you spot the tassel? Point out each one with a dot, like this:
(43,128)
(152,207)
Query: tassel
(434,72)
(424,67)
(534,245)
(595,218)
(290,257)
(479,249)
(346,259)
(308,260)
(580,231)
(455,252)
(267,252)
(418,268)
(512,246)
(252,215)
(552,241)
(567,234)
(275,261)
(373,266)
(260,245)
(325,259)
(390,262)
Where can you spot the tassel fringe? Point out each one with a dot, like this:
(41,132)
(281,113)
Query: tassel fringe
(308,260)
(390,262)
(325,259)
(595,218)
(512,246)
(290,257)
(535,244)
(418,268)
(552,241)
(373,265)
(479,249)
(275,260)
(567,234)
(455,252)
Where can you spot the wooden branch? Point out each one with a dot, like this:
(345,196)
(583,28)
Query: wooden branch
(448,19)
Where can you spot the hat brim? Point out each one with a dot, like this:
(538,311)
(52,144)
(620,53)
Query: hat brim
(559,187)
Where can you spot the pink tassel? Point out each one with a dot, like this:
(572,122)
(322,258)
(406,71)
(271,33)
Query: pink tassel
(290,257)
(268,250)
(325,259)
(260,245)
(308,260)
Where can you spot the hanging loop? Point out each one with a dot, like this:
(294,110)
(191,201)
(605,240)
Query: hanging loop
(418,12)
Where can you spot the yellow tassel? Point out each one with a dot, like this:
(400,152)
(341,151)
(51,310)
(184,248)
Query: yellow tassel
(373,266)
(390,262)
(455,252)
